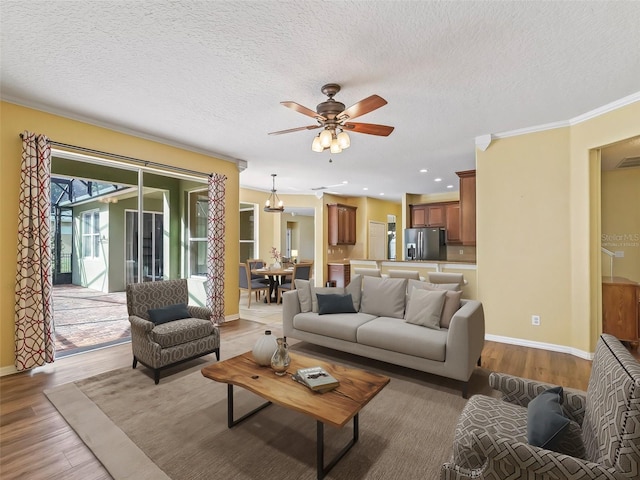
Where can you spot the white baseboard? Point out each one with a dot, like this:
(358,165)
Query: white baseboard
(541,345)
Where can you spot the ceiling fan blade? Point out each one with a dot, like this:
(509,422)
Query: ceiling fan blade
(369,128)
(280,132)
(304,110)
(363,106)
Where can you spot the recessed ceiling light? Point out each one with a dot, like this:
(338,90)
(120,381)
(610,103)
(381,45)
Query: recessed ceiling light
(449,186)
(345,182)
(423,170)
(437,179)
(366,188)
(382,194)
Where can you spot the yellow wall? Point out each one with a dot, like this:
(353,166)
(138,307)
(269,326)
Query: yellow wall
(621,222)
(538,230)
(16,119)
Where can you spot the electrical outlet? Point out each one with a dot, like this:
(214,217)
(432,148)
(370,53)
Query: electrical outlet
(535,320)
(461,251)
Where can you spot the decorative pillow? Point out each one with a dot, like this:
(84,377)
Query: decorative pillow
(425,307)
(547,426)
(355,289)
(335,303)
(169,313)
(384,297)
(451,301)
(304,294)
(322,290)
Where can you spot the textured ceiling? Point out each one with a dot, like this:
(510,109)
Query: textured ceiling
(210,75)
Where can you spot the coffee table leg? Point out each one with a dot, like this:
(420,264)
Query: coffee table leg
(322,470)
(230,421)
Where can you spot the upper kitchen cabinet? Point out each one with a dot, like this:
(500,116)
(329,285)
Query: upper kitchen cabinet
(467,207)
(452,224)
(431,214)
(342,224)
(436,215)
(419,215)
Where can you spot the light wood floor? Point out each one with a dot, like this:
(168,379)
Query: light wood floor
(36,442)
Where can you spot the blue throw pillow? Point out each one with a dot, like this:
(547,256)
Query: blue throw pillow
(169,313)
(546,423)
(335,303)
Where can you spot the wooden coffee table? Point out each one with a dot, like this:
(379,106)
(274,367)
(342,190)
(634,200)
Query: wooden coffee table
(336,408)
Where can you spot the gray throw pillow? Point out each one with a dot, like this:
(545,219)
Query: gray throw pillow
(304,294)
(355,289)
(425,307)
(442,286)
(168,313)
(547,425)
(335,303)
(322,290)
(384,297)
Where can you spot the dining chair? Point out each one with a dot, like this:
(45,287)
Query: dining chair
(301,271)
(254,264)
(373,272)
(251,285)
(412,274)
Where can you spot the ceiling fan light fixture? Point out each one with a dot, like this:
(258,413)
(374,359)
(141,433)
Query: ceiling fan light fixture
(335,146)
(343,140)
(316,146)
(273,203)
(325,138)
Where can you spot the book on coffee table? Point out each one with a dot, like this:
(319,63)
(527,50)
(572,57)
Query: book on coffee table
(316,378)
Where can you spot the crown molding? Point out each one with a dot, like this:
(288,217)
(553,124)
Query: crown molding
(242,164)
(609,107)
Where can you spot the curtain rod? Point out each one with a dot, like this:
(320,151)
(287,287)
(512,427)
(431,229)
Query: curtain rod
(146,163)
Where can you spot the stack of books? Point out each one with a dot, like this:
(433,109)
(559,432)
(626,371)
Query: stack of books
(316,378)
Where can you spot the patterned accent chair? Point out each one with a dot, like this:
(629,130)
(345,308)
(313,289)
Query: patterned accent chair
(491,436)
(161,346)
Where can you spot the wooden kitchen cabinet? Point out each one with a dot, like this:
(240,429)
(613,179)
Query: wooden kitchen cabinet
(467,207)
(342,224)
(419,215)
(452,223)
(621,309)
(339,273)
(436,216)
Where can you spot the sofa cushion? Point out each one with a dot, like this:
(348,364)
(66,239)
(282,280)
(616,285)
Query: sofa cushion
(425,307)
(483,414)
(549,428)
(168,313)
(355,289)
(304,294)
(441,286)
(397,335)
(181,331)
(339,325)
(451,302)
(330,303)
(383,297)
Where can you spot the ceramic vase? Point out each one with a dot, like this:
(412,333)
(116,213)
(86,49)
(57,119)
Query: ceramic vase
(264,349)
(276,266)
(281,360)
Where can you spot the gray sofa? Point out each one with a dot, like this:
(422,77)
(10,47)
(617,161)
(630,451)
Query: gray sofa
(380,327)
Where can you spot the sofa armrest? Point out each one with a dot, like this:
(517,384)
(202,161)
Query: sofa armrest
(465,339)
(520,391)
(140,325)
(506,455)
(199,312)
(290,308)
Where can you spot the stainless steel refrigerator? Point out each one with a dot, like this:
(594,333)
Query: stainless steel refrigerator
(425,243)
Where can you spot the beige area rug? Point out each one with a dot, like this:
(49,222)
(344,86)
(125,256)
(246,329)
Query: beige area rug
(178,429)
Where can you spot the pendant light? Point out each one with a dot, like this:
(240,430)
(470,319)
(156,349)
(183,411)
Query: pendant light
(273,203)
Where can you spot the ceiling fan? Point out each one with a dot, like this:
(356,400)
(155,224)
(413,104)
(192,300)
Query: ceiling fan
(333,118)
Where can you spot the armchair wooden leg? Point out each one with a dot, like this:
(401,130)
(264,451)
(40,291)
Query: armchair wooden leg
(156,375)
(135,362)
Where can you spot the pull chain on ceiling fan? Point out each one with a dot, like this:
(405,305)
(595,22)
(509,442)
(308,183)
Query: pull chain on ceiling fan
(332,117)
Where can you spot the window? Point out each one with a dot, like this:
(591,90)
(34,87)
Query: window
(91,234)
(248,228)
(197,232)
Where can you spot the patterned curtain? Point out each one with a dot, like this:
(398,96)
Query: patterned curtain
(215,247)
(34,313)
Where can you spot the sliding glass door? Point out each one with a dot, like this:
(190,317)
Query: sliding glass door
(153,259)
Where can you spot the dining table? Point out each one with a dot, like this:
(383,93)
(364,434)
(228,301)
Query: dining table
(275,276)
